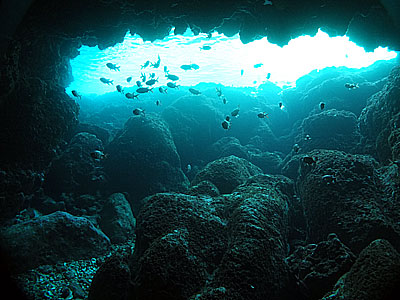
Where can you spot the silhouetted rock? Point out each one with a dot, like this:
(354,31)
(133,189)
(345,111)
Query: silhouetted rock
(267,161)
(227,173)
(117,220)
(375,275)
(143,160)
(52,238)
(353,203)
(75,171)
(102,134)
(320,265)
(227,146)
(204,187)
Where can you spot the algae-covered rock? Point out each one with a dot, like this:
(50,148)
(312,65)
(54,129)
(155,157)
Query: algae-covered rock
(227,173)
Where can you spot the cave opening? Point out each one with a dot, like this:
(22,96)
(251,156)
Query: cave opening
(215,58)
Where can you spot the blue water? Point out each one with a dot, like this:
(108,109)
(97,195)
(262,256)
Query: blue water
(229,62)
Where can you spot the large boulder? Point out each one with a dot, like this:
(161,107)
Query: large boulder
(143,160)
(227,173)
(240,238)
(75,171)
(375,275)
(50,239)
(117,220)
(345,194)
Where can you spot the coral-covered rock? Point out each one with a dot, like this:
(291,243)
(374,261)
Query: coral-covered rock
(320,265)
(227,146)
(204,187)
(227,173)
(344,193)
(331,129)
(52,238)
(75,171)
(380,119)
(267,161)
(117,220)
(375,275)
(143,160)
(240,238)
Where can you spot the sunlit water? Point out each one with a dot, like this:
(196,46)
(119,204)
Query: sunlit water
(228,62)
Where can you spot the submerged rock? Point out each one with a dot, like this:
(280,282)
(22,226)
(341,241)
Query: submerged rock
(53,238)
(375,275)
(240,238)
(143,160)
(345,194)
(75,171)
(227,173)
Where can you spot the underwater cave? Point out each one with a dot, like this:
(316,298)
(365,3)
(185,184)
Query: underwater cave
(167,150)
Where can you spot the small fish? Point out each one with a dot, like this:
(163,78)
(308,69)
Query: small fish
(307,137)
(219,92)
(188,168)
(98,155)
(296,148)
(186,67)
(158,102)
(138,112)
(151,81)
(162,90)
(76,94)
(194,66)
(241,72)
(120,89)
(138,83)
(143,90)
(258,65)
(322,105)
(156,64)
(205,47)
(235,112)
(172,77)
(194,91)
(226,124)
(281,106)
(166,69)
(267,2)
(351,86)
(145,65)
(262,115)
(268,75)
(129,79)
(172,85)
(209,35)
(152,75)
(131,95)
(143,77)
(224,101)
(112,66)
(106,81)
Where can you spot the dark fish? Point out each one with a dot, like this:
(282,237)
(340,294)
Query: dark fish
(309,160)
(129,79)
(194,91)
(351,86)
(106,81)
(224,101)
(194,66)
(158,102)
(138,83)
(120,89)
(152,75)
(146,64)
(162,90)
(226,124)
(262,115)
(241,72)
(235,113)
(156,64)
(138,112)
(296,148)
(112,66)
(281,105)
(205,47)
(166,69)
(143,77)
(268,75)
(322,105)
(186,67)
(172,77)
(172,85)
(219,92)
(151,81)
(258,65)
(131,95)
(143,90)
(98,155)
(76,94)
(307,137)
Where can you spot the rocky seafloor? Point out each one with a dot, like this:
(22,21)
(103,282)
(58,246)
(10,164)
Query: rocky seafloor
(253,218)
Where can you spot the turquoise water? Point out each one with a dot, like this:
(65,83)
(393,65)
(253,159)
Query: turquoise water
(228,61)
